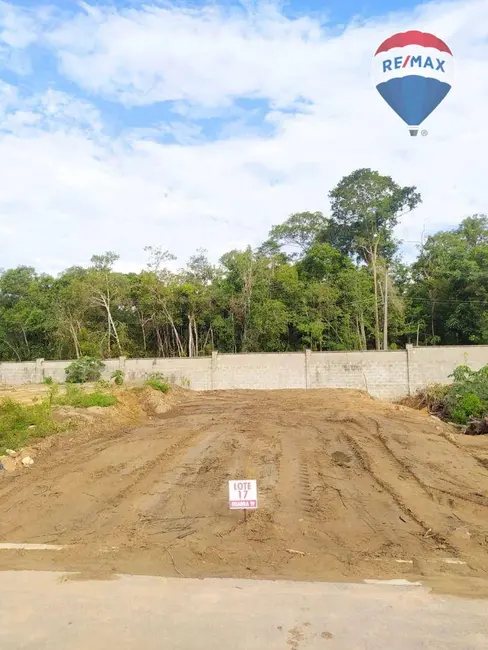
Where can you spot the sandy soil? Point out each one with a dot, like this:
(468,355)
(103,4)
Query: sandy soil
(361,488)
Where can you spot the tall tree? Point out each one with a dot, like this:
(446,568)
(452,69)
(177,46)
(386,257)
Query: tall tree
(71,303)
(107,290)
(449,289)
(299,231)
(365,208)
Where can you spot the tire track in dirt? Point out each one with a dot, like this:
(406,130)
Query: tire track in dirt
(351,483)
(366,463)
(463,510)
(293,480)
(428,489)
(434,512)
(104,496)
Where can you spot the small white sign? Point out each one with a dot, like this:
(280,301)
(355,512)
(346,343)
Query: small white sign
(243,495)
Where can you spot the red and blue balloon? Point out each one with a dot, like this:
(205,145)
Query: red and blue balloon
(413,72)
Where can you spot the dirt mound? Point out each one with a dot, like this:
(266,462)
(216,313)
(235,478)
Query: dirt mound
(135,405)
(360,488)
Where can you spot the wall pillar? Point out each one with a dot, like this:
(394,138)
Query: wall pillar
(409,351)
(122,361)
(308,357)
(213,368)
(39,373)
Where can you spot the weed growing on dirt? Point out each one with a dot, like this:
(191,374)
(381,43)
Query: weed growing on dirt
(20,422)
(157,384)
(465,398)
(431,398)
(78,398)
(118,377)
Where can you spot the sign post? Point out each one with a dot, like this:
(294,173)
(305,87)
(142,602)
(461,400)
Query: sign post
(243,495)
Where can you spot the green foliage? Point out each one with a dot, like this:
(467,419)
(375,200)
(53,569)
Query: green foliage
(118,377)
(20,422)
(447,296)
(78,398)
(465,398)
(48,380)
(83,370)
(157,384)
(317,282)
(158,375)
(366,206)
(434,397)
(300,231)
(53,392)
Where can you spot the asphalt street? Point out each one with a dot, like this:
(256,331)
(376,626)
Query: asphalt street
(51,611)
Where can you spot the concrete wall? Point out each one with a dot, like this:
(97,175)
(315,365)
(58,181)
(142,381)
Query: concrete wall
(383,374)
(388,374)
(268,371)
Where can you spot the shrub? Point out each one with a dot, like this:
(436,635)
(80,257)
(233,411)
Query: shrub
(48,380)
(84,369)
(470,406)
(118,377)
(467,396)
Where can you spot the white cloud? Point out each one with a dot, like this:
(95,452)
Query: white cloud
(18,27)
(68,190)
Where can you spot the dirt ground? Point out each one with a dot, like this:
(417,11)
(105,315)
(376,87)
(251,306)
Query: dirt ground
(349,488)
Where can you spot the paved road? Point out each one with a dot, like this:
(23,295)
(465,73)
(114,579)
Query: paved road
(43,611)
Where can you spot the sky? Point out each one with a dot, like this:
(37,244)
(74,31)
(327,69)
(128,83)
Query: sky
(186,125)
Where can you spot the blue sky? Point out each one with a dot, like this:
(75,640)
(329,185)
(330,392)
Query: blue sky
(125,124)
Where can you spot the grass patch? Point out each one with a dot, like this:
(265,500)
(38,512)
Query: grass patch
(20,422)
(78,398)
(157,384)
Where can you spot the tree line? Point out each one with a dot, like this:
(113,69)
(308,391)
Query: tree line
(324,282)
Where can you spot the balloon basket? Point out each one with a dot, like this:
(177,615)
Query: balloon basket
(414,130)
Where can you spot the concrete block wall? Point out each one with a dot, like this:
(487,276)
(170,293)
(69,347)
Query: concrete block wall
(383,374)
(387,374)
(266,371)
(18,373)
(197,371)
(434,365)
(54,369)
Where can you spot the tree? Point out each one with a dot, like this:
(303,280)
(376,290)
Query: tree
(365,208)
(71,302)
(449,289)
(318,282)
(162,284)
(107,289)
(25,313)
(299,231)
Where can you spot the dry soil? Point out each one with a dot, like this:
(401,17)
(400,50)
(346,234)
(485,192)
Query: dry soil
(349,488)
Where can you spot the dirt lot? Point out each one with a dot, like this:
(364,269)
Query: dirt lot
(361,488)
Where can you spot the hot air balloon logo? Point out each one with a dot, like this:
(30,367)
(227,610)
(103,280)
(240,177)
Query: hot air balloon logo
(413,73)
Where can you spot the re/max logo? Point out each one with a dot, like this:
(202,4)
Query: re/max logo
(418,61)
